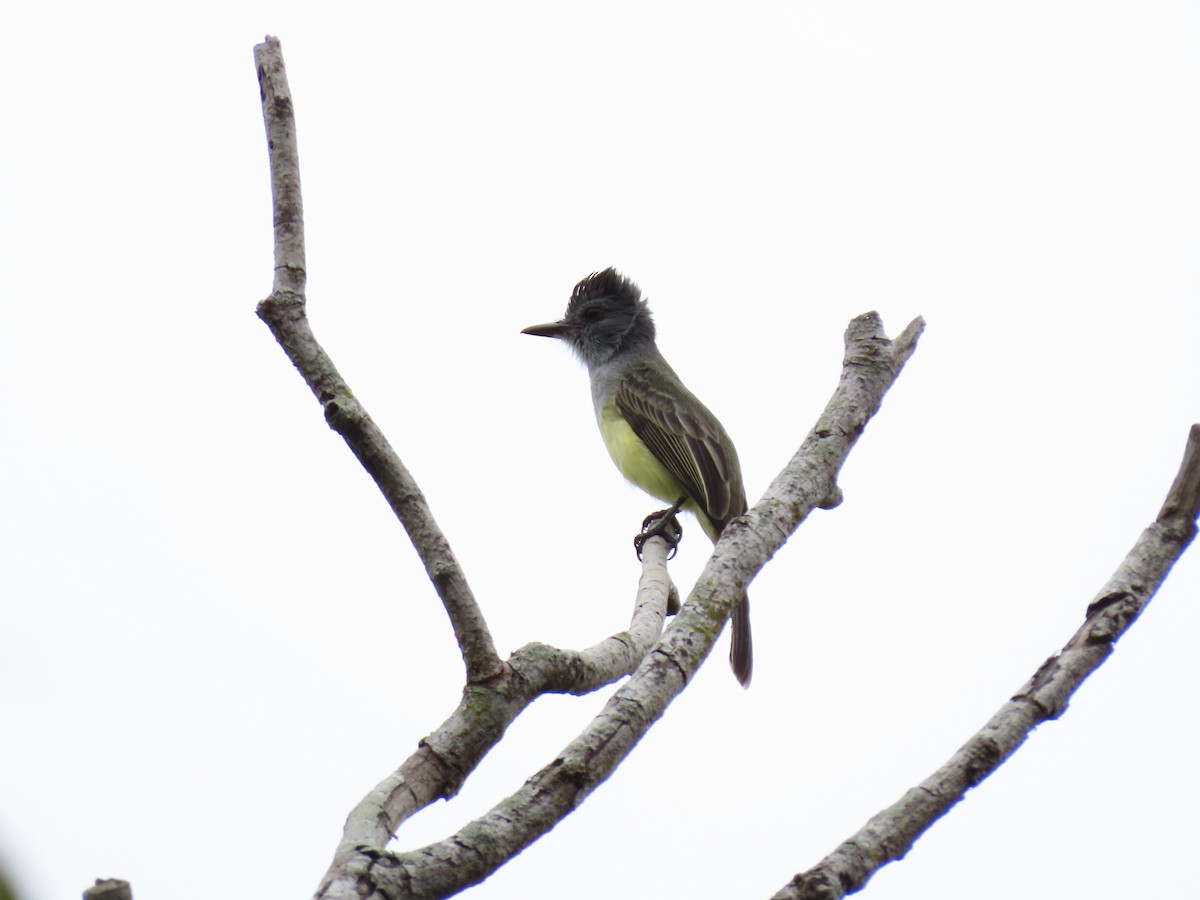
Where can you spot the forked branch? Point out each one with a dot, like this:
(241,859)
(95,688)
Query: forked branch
(496,692)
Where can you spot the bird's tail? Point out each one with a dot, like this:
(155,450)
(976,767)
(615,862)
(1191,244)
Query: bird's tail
(741,649)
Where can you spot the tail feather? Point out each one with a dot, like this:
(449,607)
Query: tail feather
(741,649)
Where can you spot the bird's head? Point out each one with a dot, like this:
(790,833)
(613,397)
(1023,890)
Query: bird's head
(606,316)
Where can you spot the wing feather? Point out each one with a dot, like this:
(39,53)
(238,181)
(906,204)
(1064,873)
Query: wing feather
(686,438)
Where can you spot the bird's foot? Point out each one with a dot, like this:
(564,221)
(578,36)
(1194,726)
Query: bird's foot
(663,524)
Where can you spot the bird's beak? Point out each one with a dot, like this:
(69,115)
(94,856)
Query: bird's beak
(550,329)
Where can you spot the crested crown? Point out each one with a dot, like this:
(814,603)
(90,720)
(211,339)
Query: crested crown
(608,283)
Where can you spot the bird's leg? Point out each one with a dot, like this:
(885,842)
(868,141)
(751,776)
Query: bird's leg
(661,524)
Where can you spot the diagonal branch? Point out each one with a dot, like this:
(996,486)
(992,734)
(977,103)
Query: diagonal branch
(891,833)
(284,313)
(871,366)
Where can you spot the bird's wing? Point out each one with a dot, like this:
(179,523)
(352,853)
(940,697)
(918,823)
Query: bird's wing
(686,438)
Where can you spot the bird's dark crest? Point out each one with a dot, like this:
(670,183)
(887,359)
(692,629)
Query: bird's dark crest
(609,283)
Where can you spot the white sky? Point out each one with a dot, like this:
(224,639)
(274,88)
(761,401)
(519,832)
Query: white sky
(215,639)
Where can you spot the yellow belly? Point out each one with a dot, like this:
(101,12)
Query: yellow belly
(634,458)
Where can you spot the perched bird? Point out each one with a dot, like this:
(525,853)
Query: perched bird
(660,436)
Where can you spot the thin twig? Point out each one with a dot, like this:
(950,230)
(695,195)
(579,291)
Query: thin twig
(284,313)
(890,834)
(280,120)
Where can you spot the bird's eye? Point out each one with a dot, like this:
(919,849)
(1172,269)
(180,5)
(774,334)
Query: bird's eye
(591,314)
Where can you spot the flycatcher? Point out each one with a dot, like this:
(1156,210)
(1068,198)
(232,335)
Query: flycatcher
(660,436)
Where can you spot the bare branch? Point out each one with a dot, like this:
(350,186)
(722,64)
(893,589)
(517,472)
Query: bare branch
(871,365)
(445,758)
(1183,499)
(280,119)
(284,313)
(891,833)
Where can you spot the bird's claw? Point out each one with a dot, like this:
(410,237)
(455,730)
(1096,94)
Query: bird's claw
(663,524)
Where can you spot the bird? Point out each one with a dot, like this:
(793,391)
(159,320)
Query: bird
(659,435)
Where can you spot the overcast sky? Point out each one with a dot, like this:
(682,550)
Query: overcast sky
(215,638)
